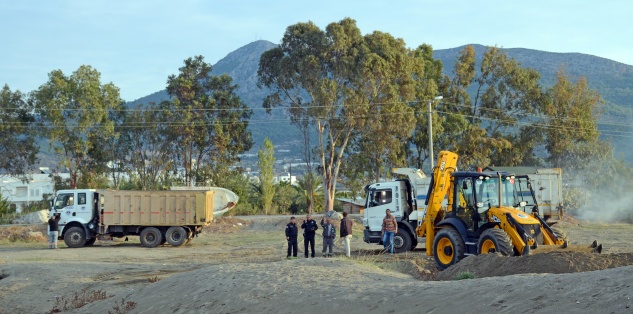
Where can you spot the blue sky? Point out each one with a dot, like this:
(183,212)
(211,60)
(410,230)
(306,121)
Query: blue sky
(137,44)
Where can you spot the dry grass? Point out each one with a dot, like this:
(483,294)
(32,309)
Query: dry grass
(78,300)
(123,307)
(22,234)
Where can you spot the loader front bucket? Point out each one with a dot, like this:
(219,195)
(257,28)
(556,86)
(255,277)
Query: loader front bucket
(594,247)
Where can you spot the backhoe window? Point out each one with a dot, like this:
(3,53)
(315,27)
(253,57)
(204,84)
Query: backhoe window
(488,191)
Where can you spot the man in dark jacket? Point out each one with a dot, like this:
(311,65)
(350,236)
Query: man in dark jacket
(291,235)
(53,227)
(329,233)
(346,232)
(309,227)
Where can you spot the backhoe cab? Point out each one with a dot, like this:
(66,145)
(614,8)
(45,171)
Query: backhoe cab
(481,216)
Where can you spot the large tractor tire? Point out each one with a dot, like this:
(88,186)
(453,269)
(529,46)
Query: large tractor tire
(495,240)
(401,241)
(448,248)
(151,237)
(176,236)
(75,237)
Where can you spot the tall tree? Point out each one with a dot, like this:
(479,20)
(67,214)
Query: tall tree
(266,155)
(74,112)
(335,79)
(17,143)
(572,130)
(206,121)
(144,133)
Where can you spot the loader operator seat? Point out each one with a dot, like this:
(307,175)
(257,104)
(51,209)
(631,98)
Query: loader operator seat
(466,203)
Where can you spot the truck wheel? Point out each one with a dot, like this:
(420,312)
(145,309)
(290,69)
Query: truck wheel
(75,237)
(151,237)
(401,241)
(91,241)
(448,248)
(495,240)
(176,236)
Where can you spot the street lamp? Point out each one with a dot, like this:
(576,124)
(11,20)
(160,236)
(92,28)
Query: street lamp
(431,131)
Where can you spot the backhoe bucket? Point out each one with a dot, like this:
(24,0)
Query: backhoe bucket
(595,247)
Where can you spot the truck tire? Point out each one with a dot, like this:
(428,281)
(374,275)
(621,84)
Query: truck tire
(401,241)
(176,236)
(448,248)
(75,237)
(151,237)
(495,240)
(91,241)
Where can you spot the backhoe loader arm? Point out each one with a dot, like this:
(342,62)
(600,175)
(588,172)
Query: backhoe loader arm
(440,186)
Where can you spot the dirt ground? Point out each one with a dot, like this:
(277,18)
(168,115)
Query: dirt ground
(238,265)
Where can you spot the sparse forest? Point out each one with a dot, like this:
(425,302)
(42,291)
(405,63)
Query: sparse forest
(364,97)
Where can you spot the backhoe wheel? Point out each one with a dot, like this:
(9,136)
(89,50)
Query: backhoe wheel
(75,237)
(151,237)
(401,241)
(176,236)
(448,248)
(495,240)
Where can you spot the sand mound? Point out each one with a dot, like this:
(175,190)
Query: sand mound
(226,225)
(490,265)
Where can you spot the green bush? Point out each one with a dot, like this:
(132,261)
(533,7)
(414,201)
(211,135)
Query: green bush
(464,275)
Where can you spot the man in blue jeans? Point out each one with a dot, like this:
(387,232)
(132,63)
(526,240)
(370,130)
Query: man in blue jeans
(389,229)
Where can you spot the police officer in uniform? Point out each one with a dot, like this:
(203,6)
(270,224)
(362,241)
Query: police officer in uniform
(291,235)
(309,227)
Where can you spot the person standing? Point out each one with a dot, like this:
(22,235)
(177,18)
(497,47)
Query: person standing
(329,233)
(309,227)
(346,232)
(291,235)
(389,230)
(53,227)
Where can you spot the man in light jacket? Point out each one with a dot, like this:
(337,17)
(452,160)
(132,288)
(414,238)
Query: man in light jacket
(346,232)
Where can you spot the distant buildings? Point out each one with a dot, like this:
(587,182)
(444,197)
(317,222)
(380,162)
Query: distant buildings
(23,190)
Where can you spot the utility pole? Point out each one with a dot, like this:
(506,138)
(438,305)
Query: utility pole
(431,131)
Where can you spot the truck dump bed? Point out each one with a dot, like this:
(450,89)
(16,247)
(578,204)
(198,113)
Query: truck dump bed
(156,208)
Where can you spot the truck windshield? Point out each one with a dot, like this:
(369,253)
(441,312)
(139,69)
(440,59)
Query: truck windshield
(64,200)
(488,190)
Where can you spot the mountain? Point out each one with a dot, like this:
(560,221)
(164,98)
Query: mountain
(613,80)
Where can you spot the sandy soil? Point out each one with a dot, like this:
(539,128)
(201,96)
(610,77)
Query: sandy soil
(239,266)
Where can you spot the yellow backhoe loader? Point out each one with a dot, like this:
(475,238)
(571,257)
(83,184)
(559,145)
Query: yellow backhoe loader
(480,217)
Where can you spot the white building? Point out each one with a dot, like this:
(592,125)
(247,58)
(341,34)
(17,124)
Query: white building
(24,190)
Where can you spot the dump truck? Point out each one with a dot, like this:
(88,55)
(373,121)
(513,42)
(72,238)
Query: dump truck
(157,217)
(540,188)
(405,198)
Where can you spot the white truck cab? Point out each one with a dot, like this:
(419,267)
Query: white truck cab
(78,211)
(405,198)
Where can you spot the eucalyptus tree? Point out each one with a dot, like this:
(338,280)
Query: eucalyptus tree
(206,121)
(345,84)
(17,143)
(266,155)
(74,115)
(143,132)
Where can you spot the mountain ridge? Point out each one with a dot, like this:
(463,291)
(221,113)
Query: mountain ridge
(612,79)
